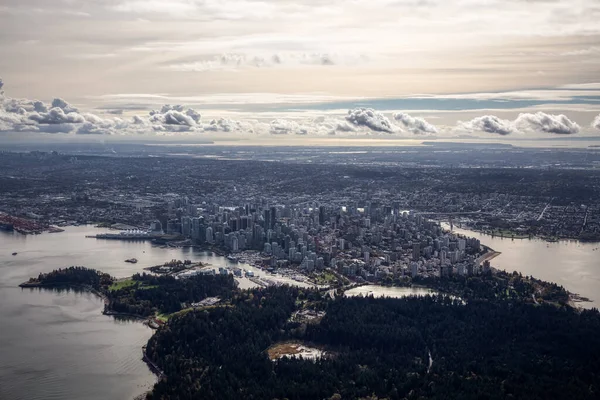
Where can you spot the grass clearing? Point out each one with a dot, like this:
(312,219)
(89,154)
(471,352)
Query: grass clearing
(121,284)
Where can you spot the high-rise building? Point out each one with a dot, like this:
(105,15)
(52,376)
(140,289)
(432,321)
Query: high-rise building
(322,215)
(195,228)
(414,269)
(209,235)
(273,217)
(173,227)
(186,226)
(416,251)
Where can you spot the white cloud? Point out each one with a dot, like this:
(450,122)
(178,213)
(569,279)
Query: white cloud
(538,122)
(374,120)
(596,122)
(63,105)
(488,124)
(56,115)
(227,125)
(286,127)
(415,124)
(549,123)
(234,61)
(61,117)
(174,115)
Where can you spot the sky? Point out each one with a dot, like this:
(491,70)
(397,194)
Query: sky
(275,68)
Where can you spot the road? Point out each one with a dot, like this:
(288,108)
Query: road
(545,208)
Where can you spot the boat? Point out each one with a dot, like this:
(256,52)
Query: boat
(15,253)
(131,260)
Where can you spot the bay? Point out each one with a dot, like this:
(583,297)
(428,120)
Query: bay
(572,264)
(58,345)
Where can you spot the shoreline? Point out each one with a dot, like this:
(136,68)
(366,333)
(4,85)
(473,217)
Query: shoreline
(158,373)
(85,288)
(549,239)
(574,298)
(489,254)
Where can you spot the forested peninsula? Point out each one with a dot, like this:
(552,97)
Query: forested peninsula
(500,336)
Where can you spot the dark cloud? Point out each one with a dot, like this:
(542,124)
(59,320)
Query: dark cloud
(550,123)
(371,119)
(489,124)
(415,124)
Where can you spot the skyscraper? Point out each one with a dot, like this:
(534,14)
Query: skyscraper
(416,253)
(322,215)
(273,217)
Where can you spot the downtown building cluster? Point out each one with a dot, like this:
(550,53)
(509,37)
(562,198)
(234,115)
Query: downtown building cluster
(374,242)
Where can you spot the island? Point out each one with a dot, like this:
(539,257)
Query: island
(486,336)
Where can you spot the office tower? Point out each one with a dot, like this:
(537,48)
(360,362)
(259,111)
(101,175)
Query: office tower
(273,217)
(414,269)
(416,251)
(322,215)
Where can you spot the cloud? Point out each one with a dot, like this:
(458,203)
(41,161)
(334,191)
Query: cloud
(115,112)
(488,124)
(415,124)
(596,122)
(63,105)
(286,127)
(235,61)
(226,125)
(550,123)
(526,122)
(20,115)
(57,115)
(193,114)
(371,119)
(90,128)
(137,120)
